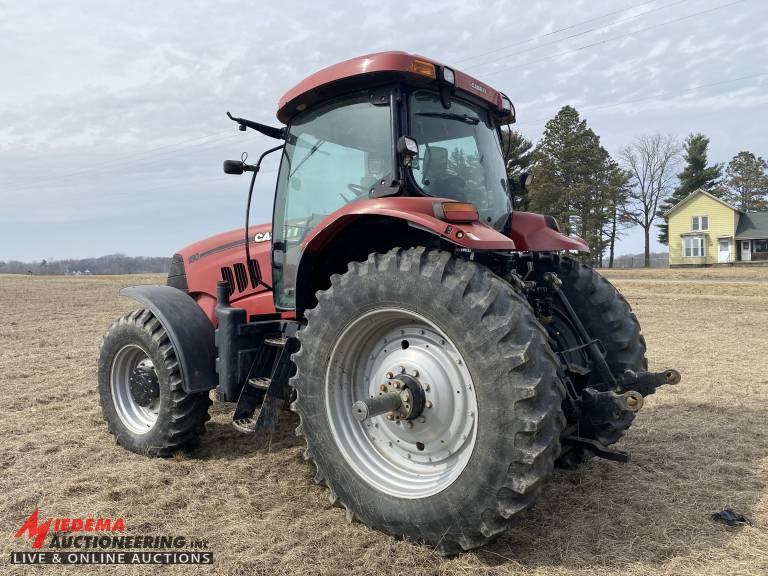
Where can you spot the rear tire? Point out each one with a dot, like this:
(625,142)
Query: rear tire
(490,332)
(167,419)
(608,317)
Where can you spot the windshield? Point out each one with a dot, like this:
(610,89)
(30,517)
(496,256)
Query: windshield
(459,155)
(334,154)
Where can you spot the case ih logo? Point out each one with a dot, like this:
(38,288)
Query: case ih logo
(37,532)
(479,87)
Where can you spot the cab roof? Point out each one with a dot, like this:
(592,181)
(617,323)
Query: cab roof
(372,69)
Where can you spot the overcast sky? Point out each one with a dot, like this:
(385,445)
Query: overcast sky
(112,114)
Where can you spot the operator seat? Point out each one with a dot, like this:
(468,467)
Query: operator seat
(437,181)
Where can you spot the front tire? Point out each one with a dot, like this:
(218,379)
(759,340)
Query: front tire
(482,452)
(142,397)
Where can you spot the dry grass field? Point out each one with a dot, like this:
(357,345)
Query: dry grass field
(696,449)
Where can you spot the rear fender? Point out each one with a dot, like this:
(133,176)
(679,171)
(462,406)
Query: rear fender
(378,225)
(417,211)
(189,330)
(532,233)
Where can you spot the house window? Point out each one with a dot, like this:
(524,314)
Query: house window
(761,245)
(700,223)
(693,247)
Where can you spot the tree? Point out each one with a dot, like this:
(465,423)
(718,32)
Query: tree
(576,180)
(518,156)
(696,174)
(618,222)
(746,182)
(651,161)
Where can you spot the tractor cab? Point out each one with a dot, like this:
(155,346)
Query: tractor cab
(384,125)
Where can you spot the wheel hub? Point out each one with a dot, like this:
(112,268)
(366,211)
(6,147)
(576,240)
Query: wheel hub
(401,403)
(144,385)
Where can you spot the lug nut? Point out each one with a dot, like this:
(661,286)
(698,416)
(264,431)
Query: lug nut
(383,387)
(402,370)
(426,387)
(390,416)
(415,373)
(389,375)
(428,404)
(398,385)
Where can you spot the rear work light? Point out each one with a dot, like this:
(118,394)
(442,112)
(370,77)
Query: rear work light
(456,212)
(424,68)
(449,76)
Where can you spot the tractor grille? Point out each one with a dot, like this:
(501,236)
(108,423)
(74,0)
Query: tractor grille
(238,277)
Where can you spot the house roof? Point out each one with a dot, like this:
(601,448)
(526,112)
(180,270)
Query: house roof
(752,225)
(694,194)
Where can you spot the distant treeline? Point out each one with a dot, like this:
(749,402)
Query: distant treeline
(658,260)
(110,264)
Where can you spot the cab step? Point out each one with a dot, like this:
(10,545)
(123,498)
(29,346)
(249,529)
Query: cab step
(276,342)
(259,383)
(245,425)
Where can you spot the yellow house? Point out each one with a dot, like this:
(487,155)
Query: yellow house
(704,230)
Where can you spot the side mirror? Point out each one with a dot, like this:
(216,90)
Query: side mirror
(233,167)
(408,148)
(526,179)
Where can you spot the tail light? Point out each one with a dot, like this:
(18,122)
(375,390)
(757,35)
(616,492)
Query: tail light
(456,212)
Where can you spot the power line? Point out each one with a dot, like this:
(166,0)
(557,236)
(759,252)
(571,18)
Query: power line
(589,31)
(569,27)
(592,108)
(613,39)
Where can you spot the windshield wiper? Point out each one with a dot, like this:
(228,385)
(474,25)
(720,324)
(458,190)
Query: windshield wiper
(451,116)
(312,150)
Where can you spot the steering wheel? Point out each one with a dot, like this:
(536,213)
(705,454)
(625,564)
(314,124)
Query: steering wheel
(357,190)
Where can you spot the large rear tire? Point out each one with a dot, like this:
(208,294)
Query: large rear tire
(142,396)
(608,317)
(486,441)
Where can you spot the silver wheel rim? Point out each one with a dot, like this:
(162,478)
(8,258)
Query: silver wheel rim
(138,419)
(414,458)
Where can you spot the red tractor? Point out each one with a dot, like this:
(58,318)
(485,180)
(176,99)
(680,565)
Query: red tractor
(442,350)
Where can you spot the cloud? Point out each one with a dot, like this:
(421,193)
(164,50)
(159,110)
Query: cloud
(112,114)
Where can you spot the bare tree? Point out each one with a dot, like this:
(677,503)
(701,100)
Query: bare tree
(652,162)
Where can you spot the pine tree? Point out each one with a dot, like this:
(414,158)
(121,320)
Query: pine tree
(576,180)
(696,174)
(746,183)
(518,156)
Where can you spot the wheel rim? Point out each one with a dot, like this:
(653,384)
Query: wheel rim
(138,419)
(409,458)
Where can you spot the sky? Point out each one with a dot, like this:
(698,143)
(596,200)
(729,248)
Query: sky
(112,114)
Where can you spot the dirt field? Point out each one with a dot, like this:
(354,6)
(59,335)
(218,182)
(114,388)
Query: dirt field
(697,448)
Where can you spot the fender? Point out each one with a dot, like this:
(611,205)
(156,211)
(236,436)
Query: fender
(189,330)
(531,232)
(419,212)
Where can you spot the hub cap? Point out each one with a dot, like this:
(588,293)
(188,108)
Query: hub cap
(407,458)
(135,389)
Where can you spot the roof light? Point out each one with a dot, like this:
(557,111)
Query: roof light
(449,76)
(456,211)
(423,68)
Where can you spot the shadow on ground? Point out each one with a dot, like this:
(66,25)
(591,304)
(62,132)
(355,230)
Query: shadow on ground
(692,460)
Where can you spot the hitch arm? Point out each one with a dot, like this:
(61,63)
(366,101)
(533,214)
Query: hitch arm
(646,382)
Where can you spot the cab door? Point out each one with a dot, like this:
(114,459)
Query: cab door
(334,153)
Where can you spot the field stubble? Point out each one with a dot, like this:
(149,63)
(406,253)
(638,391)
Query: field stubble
(696,448)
